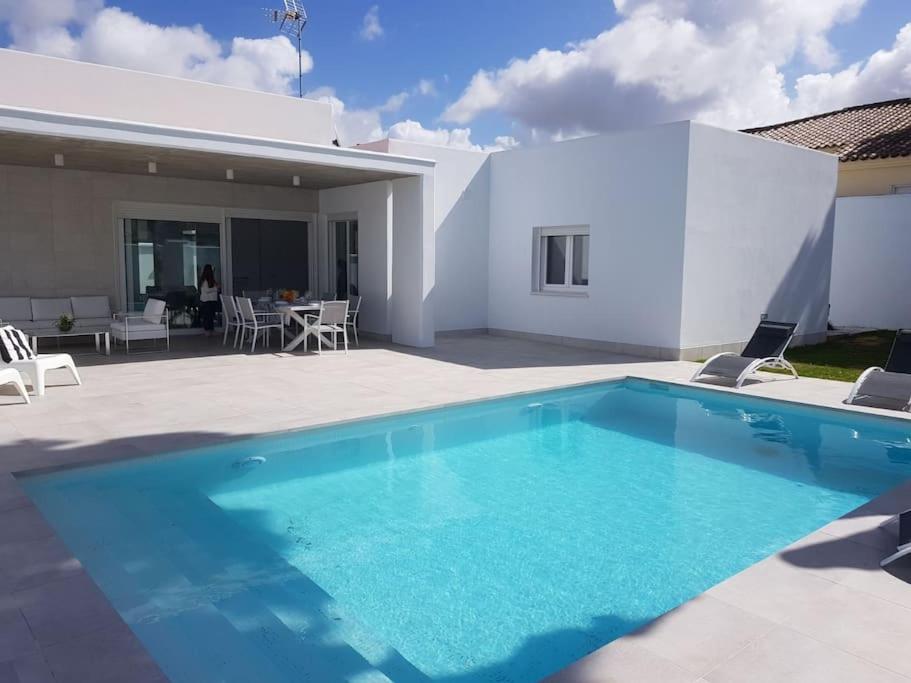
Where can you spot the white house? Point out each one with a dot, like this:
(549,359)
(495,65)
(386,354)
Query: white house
(667,242)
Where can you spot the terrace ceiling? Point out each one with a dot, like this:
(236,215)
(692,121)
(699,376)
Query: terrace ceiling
(23,149)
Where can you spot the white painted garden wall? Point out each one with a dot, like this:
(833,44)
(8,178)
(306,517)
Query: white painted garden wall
(871,278)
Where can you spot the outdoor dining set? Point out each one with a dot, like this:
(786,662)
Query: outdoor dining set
(296,320)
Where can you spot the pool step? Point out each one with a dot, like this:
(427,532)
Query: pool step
(273,607)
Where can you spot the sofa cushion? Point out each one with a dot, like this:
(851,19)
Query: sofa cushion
(138,329)
(27,325)
(91,307)
(51,309)
(15,308)
(153,311)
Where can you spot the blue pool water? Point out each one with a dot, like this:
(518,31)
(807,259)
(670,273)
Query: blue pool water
(493,542)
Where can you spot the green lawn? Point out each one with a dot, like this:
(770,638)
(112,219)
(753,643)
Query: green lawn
(842,358)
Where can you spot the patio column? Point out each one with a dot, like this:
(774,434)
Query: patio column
(413,261)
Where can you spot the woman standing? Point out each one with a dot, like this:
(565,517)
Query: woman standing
(208,299)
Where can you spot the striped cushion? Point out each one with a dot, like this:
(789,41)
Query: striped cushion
(14,345)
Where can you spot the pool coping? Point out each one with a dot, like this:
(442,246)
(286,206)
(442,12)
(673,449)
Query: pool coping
(632,657)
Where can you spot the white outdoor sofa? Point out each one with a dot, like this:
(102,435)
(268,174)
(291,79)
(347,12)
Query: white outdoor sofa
(32,313)
(151,324)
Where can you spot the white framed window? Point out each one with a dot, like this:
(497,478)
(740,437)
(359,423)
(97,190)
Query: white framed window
(560,259)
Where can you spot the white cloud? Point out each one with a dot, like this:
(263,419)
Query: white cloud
(365,124)
(352,125)
(89,31)
(371,28)
(722,62)
(886,74)
(394,102)
(457,138)
(427,87)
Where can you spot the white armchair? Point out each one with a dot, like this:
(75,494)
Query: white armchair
(152,324)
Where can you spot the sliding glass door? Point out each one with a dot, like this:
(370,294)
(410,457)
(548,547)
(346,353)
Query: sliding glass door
(164,259)
(267,255)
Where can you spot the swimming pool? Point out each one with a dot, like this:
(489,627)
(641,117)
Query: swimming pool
(497,541)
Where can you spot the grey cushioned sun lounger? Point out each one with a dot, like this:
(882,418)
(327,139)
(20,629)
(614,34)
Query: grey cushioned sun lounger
(890,385)
(764,350)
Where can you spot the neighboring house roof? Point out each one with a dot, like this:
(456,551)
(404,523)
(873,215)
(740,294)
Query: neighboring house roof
(880,130)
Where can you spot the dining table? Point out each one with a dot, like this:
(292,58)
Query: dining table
(296,312)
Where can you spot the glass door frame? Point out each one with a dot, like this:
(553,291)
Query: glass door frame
(331,256)
(125,211)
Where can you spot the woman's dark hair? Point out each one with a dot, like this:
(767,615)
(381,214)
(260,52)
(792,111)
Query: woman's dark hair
(208,275)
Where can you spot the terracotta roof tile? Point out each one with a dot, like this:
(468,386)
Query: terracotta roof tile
(880,130)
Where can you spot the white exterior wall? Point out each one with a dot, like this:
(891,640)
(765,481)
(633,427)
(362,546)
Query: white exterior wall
(371,204)
(33,81)
(413,261)
(759,226)
(397,253)
(461,221)
(630,188)
(871,279)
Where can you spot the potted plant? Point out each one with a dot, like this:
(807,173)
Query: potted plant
(65,323)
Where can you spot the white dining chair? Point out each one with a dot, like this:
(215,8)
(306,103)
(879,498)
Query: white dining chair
(332,319)
(256,323)
(232,318)
(354,308)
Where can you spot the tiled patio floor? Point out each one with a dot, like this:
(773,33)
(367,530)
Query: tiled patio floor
(821,610)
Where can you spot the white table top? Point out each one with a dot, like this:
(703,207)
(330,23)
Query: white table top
(312,306)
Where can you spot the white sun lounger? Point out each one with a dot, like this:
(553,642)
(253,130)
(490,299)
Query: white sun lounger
(12,376)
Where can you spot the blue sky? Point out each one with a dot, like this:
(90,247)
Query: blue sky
(442,41)
(731,62)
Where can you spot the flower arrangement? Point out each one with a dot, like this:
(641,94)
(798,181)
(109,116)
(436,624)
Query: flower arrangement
(288,295)
(64,323)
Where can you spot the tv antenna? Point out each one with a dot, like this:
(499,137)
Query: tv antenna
(291,21)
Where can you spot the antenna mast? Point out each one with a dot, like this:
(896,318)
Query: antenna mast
(291,21)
